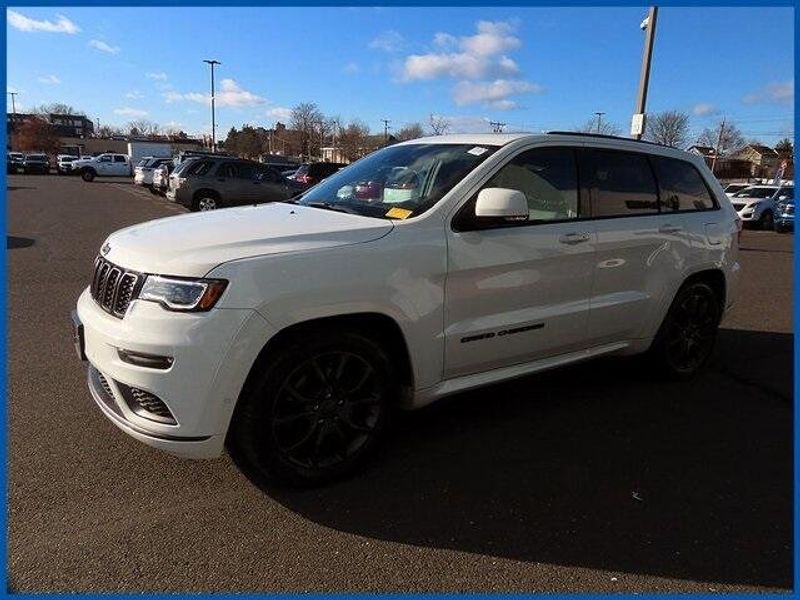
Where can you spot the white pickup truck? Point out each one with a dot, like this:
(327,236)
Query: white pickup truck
(104,165)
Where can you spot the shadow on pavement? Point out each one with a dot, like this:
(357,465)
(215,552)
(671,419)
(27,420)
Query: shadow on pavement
(13,242)
(595,466)
(14,188)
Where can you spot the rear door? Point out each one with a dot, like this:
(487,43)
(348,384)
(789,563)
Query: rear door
(640,250)
(120,165)
(270,185)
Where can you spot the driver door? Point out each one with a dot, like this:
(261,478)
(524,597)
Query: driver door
(520,291)
(104,164)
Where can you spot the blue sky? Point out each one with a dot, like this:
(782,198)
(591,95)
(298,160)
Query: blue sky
(533,68)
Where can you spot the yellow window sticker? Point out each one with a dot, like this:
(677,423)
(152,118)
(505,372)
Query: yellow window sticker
(398,213)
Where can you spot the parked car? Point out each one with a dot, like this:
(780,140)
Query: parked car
(757,204)
(212,182)
(732,188)
(103,165)
(143,172)
(63,162)
(14,162)
(291,331)
(36,163)
(161,177)
(311,174)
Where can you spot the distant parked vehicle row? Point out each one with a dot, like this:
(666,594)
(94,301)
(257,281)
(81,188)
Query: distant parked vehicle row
(63,162)
(143,172)
(757,205)
(37,162)
(312,173)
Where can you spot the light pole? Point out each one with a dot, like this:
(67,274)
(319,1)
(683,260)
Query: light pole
(213,62)
(599,119)
(638,121)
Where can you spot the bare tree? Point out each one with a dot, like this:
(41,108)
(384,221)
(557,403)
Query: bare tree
(729,141)
(307,119)
(670,128)
(106,131)
(410,132)
(36,134)
(353,139)
(599,126)
(439,125)
(57,108)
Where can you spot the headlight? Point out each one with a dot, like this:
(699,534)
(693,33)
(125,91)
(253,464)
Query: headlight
(182,294)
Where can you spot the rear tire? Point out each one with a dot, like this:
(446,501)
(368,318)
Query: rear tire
(316,412)
(88,174)
(686,338)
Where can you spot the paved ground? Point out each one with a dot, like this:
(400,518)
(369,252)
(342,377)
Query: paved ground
(589,479)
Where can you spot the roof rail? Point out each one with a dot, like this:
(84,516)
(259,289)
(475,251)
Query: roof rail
(606,137)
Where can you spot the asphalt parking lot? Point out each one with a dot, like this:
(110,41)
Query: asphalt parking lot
(593,478)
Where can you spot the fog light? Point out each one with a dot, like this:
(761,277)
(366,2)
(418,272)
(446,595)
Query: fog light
(151,361)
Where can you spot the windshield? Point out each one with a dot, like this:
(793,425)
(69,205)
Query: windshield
(756,192)
(399,181)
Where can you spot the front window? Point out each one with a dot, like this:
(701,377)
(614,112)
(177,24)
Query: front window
(399,181)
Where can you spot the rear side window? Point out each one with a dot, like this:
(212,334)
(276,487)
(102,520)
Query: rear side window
(228,170)
(682,187)
(623,185)
(199,168)
(118,158)
(246,171)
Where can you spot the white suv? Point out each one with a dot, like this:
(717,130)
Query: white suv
(290,331)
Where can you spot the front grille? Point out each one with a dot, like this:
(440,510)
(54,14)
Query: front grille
(146,405)
(112,287)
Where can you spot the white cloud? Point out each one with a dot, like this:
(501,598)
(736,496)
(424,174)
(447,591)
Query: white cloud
(130,112)
(23,23)
(230,94)
(388,41)
(704,109)
(49,80)
(774,93)
(351,68)
(104,47)
(161,76)
(493,94)
(280,113)
(476,58)
(134,95)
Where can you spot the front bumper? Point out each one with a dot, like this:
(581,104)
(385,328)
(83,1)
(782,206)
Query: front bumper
(200,387)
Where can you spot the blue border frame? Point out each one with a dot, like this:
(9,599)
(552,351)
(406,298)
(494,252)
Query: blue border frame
(364,3)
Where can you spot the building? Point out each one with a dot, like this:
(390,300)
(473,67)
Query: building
(78,126)
(707,152)
(764,161)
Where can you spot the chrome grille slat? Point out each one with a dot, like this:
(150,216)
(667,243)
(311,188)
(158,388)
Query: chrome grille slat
(113,287)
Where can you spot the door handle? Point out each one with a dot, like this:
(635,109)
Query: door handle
(670,229)
(574,238)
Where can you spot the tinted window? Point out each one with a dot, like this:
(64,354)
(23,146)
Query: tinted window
(119,158)
(105,158)
(682,187)
(198,168)
(624,185)
(549,179)
(246,171)
(228,170)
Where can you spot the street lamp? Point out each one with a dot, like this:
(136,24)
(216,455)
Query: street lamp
(213,118)
(649,26)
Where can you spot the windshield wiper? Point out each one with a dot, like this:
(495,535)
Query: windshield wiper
(330,206)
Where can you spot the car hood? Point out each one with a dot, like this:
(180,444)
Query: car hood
(191,245)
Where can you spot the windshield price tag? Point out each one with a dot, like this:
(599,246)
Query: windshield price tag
(398,213)
(477,151)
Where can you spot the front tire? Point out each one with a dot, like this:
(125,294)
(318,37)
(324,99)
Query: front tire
(686,338)
(767,221)
(206,202)
(88,174)
(317,412)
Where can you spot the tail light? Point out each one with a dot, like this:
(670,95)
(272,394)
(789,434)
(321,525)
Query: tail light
(304,179)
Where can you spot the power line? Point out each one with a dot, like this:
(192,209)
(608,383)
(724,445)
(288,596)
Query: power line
(385,129)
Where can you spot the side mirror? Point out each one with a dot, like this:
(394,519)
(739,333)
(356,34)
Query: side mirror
(503,203)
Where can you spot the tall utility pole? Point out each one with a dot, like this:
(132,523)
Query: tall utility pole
(385,129)
(649,25)
(497,126)
(213,117)
(13,103)
(599,119)
(718,148)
